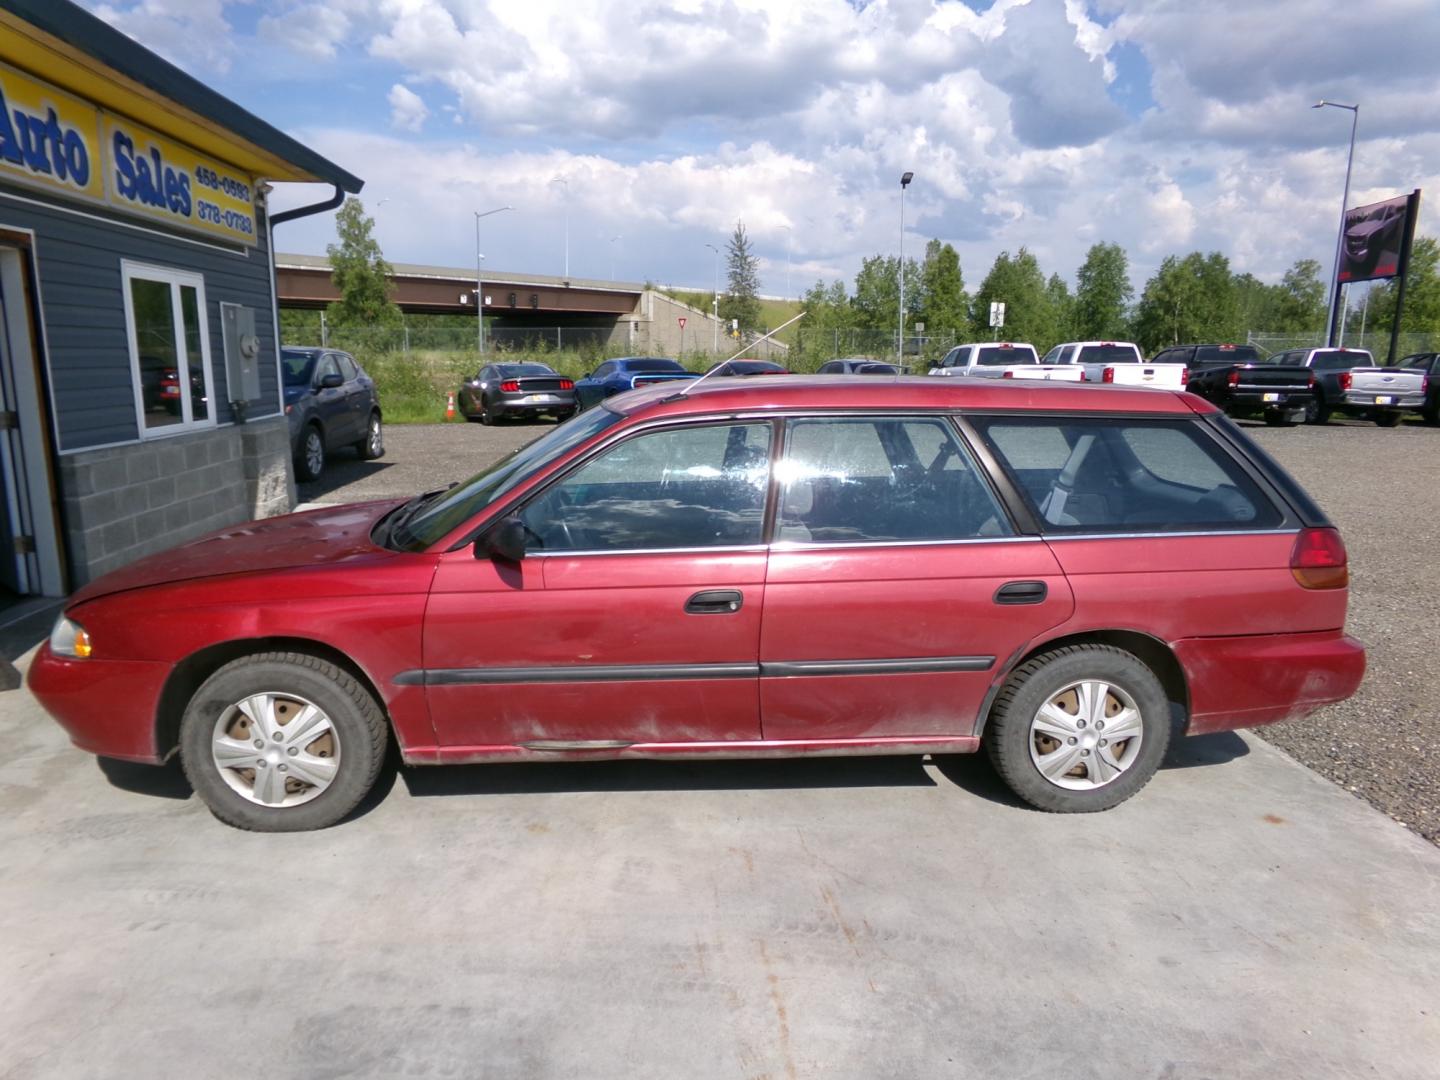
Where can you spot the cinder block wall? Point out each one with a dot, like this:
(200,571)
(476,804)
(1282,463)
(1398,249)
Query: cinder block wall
(124,502)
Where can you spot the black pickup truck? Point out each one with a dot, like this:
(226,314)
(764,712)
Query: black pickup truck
(1242,382)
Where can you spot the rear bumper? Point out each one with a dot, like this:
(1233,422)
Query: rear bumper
(558,401)
(1260,397)
(1238,682)
(106,706)
(1371,400)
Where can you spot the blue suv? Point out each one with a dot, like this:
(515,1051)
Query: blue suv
(331,403)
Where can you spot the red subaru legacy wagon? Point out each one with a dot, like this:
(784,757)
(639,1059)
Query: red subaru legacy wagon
(1062,574)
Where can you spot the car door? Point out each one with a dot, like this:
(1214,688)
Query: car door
(634,616)
(591,389)
(357,394)
(332,408)
(896,587)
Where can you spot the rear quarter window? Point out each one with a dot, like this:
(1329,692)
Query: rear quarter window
(1120,474)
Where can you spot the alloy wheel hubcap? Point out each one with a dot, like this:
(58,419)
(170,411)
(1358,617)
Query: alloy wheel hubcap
(1086,735)
(314,452)
(276,749)
(376,439)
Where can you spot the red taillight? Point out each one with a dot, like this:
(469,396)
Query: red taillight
(1007,374)
(1184,376)
(1424,384)
(1084,377)
(510,386)
(1345,380)
(567,384)
(1318,560)
(1233,378)
(1109,375)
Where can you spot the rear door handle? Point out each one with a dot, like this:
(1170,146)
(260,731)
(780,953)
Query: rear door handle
(1022,592)
(715,602)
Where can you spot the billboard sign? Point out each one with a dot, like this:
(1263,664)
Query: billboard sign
(1374,236)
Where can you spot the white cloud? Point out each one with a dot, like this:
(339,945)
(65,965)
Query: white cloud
(407,109)
(315,30)
(191,33)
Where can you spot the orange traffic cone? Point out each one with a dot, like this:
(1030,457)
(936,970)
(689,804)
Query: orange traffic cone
(449,407)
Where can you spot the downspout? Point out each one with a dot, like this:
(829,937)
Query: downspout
(305,211)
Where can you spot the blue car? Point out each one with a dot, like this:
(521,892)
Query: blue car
(616,376)
(330,403)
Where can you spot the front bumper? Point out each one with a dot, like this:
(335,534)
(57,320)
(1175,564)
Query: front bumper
(107,707)
(1238,682)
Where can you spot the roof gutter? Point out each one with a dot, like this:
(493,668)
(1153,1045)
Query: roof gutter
(305,211)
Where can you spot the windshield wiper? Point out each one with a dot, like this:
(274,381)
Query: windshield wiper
(408,510)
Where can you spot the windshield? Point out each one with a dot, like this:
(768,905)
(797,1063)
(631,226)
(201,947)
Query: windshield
(1108,354)
(995,355)
(464,501)
(297,367)
(652,365)
(1227,354)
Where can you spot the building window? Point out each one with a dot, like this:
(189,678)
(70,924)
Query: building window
(169,349)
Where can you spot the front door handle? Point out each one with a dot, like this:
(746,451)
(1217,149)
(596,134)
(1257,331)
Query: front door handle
(1022,592)
(715,602)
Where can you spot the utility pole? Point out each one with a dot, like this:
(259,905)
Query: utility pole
(900,344)
(715,304)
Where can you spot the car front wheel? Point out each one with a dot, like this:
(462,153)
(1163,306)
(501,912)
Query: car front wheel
(282,742)
(372,445)
(310,462)
(1079,729)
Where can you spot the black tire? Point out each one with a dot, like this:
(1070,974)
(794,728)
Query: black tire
(1317,412)
(485,417)
(1431,412)
(310,464)
(372,446)
(1388,419)
(1275,419)
(1008,735)
(356,718)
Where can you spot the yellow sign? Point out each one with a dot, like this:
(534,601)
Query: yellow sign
(49,139)
(53,140)
(152,175)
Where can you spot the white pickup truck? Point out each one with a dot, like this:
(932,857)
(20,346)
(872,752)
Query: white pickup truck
(1117,362)
(1001,360)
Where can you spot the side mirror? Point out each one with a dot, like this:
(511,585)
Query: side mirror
(331,381)
(504,540)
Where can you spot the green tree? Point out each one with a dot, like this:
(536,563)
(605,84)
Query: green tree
(1189,300)
(1299,301)
(828,315)
(1062,312)
(1422,293)
(359,271)
(1103,293)
(742,301)
(1029,310)
(943,305)
(876,302)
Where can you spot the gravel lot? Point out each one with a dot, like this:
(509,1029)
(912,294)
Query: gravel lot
(1376,484)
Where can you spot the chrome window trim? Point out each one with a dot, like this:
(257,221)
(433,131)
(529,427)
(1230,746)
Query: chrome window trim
(1165,535)
(813,545)
(735,549)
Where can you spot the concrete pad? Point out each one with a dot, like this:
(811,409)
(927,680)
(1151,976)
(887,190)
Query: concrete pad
(840,918)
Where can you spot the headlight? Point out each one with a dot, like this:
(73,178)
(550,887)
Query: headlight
(69,639)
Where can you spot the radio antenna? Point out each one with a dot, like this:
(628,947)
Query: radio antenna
(696,382)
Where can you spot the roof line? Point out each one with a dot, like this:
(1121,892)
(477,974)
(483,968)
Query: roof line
(96,38)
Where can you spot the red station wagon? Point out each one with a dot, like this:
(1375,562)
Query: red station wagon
(740,568)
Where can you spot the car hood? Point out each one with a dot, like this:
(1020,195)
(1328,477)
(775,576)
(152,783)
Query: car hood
(313,538)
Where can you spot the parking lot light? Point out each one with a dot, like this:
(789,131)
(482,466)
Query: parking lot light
(479,286)
(1344,203)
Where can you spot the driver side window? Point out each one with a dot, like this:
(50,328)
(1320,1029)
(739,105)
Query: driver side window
(326,366)
(694,487)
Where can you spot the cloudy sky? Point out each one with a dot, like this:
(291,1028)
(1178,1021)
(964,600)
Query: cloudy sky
(1164,125)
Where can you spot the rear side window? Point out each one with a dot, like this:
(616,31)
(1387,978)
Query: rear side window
(1108,354)
(882,479)
(348,367)
(1227,354)
(1094,474)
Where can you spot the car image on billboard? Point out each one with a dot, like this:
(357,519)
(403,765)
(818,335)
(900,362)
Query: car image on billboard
(1374,235)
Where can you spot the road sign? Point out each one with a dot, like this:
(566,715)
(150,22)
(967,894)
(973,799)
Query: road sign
(997,313)
(681,321)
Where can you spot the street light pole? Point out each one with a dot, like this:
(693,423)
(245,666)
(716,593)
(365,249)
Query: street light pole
(479,285)
(1344,204)
(566,185)
(715,304)
(900,344)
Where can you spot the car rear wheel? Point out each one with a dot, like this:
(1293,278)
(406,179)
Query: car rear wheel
(1387,419)
(485,417)
(372,445)
(282,742)
(1317,412)
(310,462)
(1079,729)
